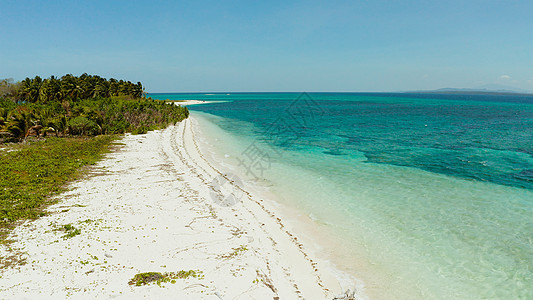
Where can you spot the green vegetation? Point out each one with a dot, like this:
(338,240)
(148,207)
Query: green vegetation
(87,117)
(68,87)
(30,173)
(80,106)
(74,120)
(70,231)
(235,252)
(158,278)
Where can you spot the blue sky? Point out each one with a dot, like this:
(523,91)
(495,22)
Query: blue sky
(195,46)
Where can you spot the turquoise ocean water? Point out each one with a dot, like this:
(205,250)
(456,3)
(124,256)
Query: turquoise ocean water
(429,196)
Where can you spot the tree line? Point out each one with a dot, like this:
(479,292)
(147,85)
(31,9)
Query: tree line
(87,105)
(68,87)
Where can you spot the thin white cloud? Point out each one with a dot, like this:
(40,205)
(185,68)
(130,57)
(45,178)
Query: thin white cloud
(505,77)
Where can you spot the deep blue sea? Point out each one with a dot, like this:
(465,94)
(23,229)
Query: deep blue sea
(429,195)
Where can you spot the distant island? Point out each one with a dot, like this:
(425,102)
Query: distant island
(491,89)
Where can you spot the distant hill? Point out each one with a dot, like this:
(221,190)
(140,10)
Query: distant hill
(485,89)
(503,88)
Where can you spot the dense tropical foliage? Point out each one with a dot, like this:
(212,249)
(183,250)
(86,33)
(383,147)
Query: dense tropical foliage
(68,87)
(87,105)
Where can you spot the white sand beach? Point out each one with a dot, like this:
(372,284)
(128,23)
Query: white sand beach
(155,205)
(189,102)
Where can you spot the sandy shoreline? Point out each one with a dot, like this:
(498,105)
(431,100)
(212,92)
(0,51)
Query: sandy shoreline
(160,205)
(189,102)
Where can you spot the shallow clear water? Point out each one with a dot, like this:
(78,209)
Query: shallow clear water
(433,192)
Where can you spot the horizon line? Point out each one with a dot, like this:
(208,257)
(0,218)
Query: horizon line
(459,91)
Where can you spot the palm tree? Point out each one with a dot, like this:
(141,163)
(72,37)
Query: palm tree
(19,122)
(59,124)
(113,87)
(33,94)
(25,90)
(100,90)
(44,117)
(54,89)
(3,119)
(45,91)
(78,92)
(137,90)
(86,83)
(68,85)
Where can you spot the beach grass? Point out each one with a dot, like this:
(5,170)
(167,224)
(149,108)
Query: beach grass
(33,172)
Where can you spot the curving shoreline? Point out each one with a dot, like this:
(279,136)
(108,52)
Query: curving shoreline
(153,207)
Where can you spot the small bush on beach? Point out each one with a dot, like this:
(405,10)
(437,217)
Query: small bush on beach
(145,278)
(158,278)
(70,231)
